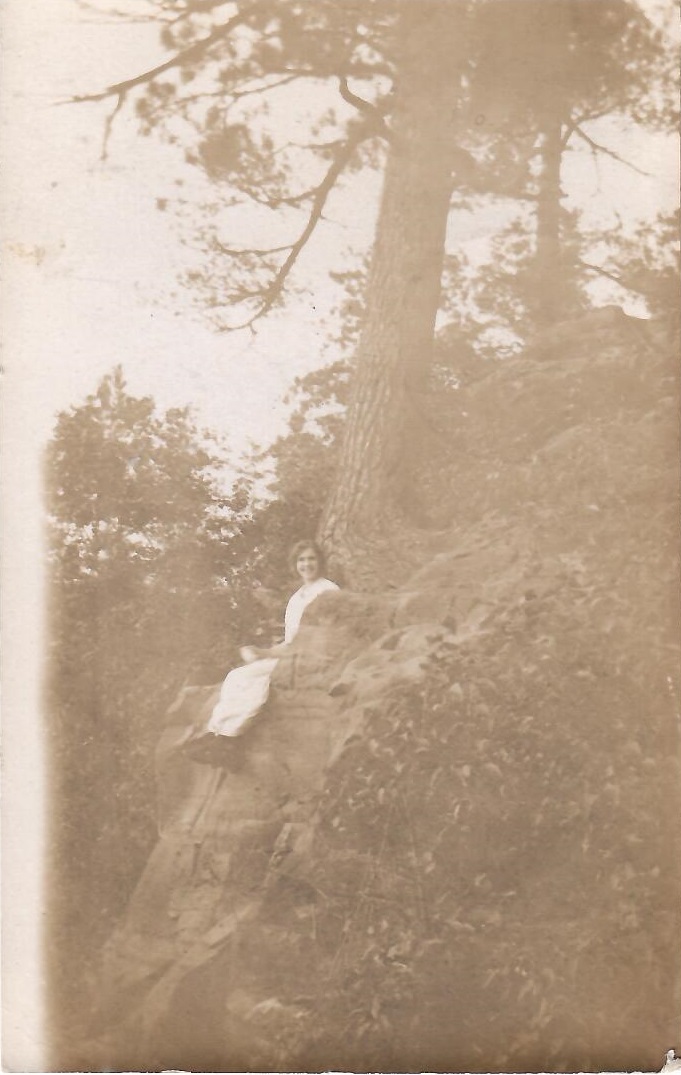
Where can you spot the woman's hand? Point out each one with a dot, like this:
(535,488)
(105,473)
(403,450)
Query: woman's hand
(258,653)
(249,654)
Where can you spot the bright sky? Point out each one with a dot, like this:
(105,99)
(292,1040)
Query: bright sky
(90,273)
(96,264)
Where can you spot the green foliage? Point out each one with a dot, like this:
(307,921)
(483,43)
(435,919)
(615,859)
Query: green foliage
(142,594)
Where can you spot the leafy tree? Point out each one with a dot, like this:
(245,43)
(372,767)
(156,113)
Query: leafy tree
(560,65)
(142,593)
(490,309)
(594,60)
(495,308)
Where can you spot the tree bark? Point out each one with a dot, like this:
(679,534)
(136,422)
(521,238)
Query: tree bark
(403,290)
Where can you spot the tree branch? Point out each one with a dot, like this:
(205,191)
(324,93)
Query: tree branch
(233,252)
(271,293)
(121,89)
(612,276)
(195,51)
(374,112)
(365,107)
(237,94)
(108,127)
(294,201)
(234,94)
(113,16)
(597,148)
(577,121)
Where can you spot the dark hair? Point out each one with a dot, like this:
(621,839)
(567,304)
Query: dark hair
(299,547)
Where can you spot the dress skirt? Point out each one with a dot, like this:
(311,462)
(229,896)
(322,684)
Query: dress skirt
(243,694)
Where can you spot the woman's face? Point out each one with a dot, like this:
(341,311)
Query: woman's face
(307,565)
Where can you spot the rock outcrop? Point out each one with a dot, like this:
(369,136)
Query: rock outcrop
(449,842)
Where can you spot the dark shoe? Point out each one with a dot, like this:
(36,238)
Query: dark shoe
(212,749)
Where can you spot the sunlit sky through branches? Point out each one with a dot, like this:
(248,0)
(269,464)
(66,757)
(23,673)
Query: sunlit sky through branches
(93,263)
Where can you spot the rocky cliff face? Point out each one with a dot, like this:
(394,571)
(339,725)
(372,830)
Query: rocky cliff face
(450,842)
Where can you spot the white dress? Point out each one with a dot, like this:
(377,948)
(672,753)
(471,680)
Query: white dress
(246,688)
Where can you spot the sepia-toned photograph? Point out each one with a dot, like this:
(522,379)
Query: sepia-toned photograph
(342,624)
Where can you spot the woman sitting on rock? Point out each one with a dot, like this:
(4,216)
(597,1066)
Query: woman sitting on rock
(246,688)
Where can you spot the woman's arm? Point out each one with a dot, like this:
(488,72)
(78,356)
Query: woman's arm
(258,653)
(294,611)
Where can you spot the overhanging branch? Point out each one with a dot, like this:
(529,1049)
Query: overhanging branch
(188,55)
(577,121)
(365,108)
(108,127)
(250,91)
(600,271)
(242,252)
(293,201)
(114,16)
(271,293)
(598,148)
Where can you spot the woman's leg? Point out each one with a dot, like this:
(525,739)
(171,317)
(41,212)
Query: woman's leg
(243,694)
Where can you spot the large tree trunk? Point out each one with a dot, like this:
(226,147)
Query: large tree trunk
(403,290)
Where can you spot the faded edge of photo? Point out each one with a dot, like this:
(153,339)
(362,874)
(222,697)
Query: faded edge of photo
(23,762)
(23,608)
